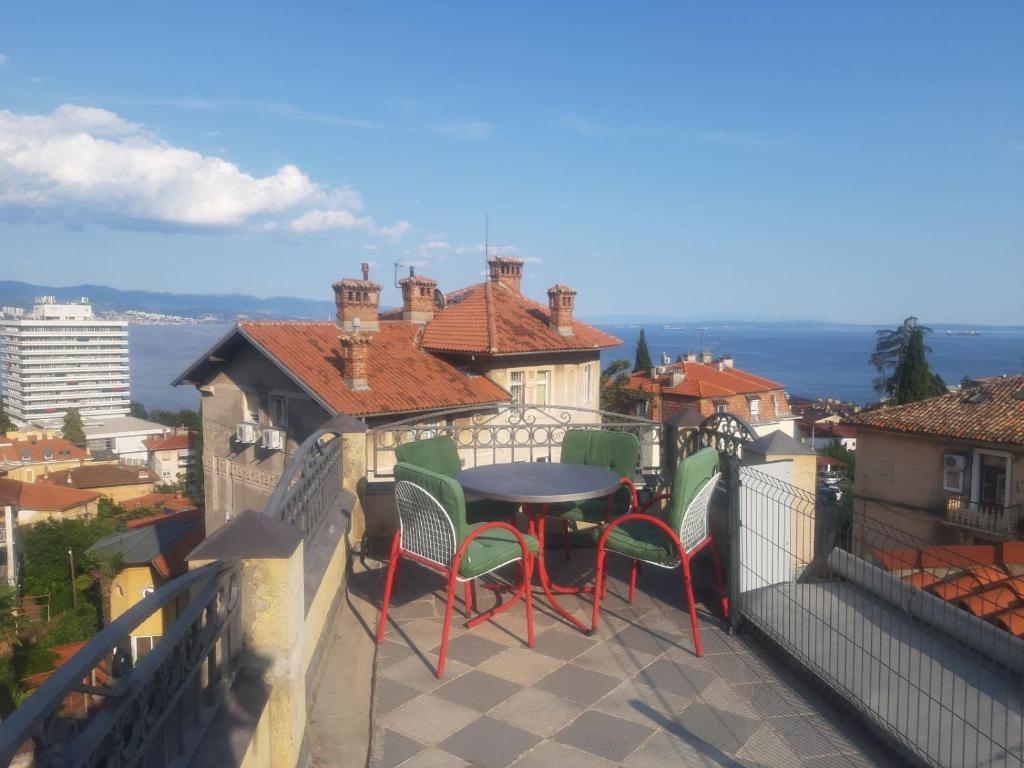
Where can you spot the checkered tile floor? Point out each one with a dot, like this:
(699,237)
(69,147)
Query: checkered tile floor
(632,695)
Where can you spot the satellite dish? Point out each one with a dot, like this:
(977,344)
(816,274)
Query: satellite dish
(439,299)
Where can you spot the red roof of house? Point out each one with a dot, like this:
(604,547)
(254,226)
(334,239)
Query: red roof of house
(42,496)
(173,441)
(991,411)
(100,476)
(490,319)
(402,377)
(703,380)
(12,451)
(166,501)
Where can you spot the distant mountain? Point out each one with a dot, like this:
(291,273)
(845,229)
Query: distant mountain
(221,305)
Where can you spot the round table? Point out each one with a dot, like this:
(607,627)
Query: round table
(536,486)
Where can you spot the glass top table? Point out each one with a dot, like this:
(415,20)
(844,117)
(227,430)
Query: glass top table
(536,486)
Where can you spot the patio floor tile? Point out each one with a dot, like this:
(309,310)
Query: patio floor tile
(610,658)
(551,753)
(537,711)
(520,665)
(394,749)
(650,640)
(604,735)
(641,703)
(665,749)
(477,690)
(684,679)
(419,672)
(428,718)
(727,731)
(564,644)
(578,684)
(471,649)
(435,758)
(389,694)
(767,748)
(489,743)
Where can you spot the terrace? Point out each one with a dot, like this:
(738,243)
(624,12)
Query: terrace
(827,657)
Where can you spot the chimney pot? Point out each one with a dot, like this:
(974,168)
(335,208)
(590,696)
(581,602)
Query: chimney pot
(561,304)
(506,271)
(355,349)
(357,302)
(691,357)
(705,357)
(418,298)
(366,270)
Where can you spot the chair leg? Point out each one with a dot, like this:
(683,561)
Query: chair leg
(632,580)
(447,625)
(718,577)
(566,539)
(527,570)
(688,582)
(469,597)
(389,584)
(599,585)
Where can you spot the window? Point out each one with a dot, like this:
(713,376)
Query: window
(278,411)
(990,479)
(586,384)
(755,408)
(141,646)
(516,387)
(250,407)
(953,480)
(720,408)
(540,388)
(47,454)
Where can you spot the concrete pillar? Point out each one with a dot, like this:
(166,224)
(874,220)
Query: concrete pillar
(353,479)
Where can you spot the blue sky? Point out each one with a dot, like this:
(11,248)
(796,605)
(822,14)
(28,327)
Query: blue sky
(854,162)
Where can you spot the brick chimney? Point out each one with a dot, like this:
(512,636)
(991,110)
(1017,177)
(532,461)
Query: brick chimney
(724,362)
(705,357)
(355,354)
(506,271)
(418,297)
(357,302)
(691,357)
(561,302)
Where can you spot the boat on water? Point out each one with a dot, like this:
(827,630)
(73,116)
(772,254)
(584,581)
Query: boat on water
(963,333)
(671,327)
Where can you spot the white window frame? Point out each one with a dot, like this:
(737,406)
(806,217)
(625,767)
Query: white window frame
(976,474)
(281,423)
(586,384)
(754,404)
(517,382)
(947,486)
(541,381)
(721,408)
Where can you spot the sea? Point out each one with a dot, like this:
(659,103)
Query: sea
(809,360)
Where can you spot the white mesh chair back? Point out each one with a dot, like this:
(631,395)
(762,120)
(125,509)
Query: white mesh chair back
(693,528)
(427,531)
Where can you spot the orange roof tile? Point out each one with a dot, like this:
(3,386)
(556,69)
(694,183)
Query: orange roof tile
(956,588)
(702,380)
(991,601)
(898,559)
(401,376)
(41,496)
(992,411)
(100,476)
(491,319)
(15,451)
(921,579)
(175,441)
(171,501)
(958,556)
(1012,621)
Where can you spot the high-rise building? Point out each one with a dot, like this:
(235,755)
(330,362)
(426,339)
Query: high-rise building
(59,356)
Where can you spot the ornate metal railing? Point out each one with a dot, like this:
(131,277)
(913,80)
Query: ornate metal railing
(154,713)
(509,433)
(310,485)
(984,517)
(725,432)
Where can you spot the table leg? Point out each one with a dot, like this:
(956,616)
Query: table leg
(537,517)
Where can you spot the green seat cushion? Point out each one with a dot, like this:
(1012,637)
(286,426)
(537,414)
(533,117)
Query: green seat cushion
(486,511)
(691,475)
(616,451)
(438,454)
(443,488)
(641,540)
(592,510)
(491,549)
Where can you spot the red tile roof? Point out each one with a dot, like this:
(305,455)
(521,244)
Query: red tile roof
(166,501)
(42,497)
(11,451)
(991,412)
(174,441)
(491,319)
(702,380)
(401,376)
(99,476)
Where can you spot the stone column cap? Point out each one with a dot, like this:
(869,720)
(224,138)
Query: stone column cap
(249,536)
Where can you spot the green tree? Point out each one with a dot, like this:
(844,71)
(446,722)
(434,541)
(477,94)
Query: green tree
(6,425)
(73,430)
(679,359)
(615,395)
(914,379)
(8,622)
(643,355)
(890,348)
(104,571)
(138,410)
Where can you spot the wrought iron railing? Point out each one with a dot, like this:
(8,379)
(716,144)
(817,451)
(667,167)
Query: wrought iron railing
(984,517)
(509,433)
(153,713)
(310,485)
(915,637)
(725,432)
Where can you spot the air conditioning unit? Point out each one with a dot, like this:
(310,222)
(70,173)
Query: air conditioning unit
(247,432)
(272,439)
(955,462)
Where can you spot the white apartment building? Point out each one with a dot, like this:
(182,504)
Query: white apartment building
(59,356)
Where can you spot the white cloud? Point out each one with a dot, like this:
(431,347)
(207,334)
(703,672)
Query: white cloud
(467,129)
(83,163)
(395,231)
(371,247)
(4,61)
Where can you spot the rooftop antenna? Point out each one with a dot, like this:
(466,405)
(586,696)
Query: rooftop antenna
(487,240)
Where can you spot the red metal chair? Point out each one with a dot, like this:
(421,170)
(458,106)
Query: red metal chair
(668,542)
(433,532)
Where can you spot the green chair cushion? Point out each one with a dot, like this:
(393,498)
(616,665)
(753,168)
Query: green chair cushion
(616,451)
(640,540)
(491,549)
(592,510)
(443,488)
(438,454)
(691,475)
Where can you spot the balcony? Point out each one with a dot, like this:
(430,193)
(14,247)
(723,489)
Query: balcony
(824,660)
(989,518)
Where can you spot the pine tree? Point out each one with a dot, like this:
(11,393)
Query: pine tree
(73,430)
(890,350)
(914,379)
(6,425)
(643,355)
